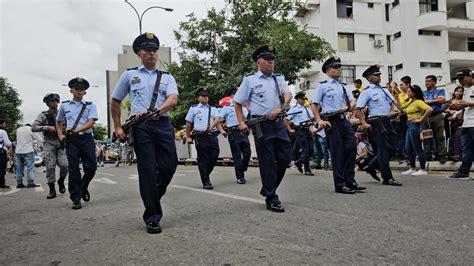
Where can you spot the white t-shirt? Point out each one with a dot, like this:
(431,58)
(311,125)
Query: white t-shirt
(25,138)
(4,140)
(360,147)
(468,111)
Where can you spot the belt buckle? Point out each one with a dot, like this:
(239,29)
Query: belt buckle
(341,116)
(80,133)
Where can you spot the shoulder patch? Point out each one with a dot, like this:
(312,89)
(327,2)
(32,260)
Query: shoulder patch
(66,101)
(324,81)
(249,74)
(133,68)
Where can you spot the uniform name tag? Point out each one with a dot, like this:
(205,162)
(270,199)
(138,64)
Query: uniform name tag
(259,86)
(136,80)
(329,89)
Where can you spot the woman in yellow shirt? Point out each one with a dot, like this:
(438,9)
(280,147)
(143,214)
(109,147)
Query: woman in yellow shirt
(418,111)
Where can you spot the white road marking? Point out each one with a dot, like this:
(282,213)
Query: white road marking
(104,180)
(12,190)
(39,189)
(101,173)
(218,194)
(133,177)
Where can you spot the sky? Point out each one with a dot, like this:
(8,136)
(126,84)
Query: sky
(45,43)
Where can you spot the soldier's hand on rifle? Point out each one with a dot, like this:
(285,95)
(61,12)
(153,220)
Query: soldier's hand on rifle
(324,124)
(120,134)
(291,131)
(274,113)
(392,114)
(189,140)
(344,109)
(52,129)
(138,115)
(224,133)
(244,129)
(61,137)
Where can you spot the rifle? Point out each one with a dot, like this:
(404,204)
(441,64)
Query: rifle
(132,121)
(255,121)
(380,118)
(326,116)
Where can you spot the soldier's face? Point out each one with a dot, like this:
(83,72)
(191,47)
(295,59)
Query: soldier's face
(266,64)
(148,56)
(374,79)
(334,72)
(53,104)
(78,93)
(203,99)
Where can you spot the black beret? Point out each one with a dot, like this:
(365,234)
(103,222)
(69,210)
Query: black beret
(266,51)
(78,83)
(231,91)
(146,40)
(201,92)
(372,70)
(300,95)
(331,62)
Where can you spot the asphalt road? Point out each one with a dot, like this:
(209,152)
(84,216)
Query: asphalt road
(427,221)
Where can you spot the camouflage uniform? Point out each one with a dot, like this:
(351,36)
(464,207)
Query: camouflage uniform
(53,151)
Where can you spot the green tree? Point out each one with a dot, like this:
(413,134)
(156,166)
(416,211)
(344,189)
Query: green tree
(100,131)
(10,107)
(215,52)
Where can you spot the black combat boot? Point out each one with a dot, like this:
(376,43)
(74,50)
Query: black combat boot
(52,191)
(62,188)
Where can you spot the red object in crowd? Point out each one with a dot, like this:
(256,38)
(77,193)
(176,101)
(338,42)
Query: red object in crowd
(225,101)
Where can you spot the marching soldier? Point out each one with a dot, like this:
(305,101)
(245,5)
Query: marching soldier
(380,103)
(53,150)
(78,117)
(150,89)
(239,143)
(330,101)
(205,121)
(303,128)
(268,95)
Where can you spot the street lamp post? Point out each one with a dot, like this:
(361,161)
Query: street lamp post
(140,17)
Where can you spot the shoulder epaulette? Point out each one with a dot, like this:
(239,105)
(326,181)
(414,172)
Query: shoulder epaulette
(45,112)
(277,75)
(133,68)
(165,72)
(250,74)
(194,105)
(88,103)
(343,83)
(324,81)
(367,87)
(66,101)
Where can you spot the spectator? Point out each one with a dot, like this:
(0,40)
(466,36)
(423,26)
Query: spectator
(358,88)
(321,148)
(435,98)
(25,155)
(5,144)
(365,153)
(417,113)
(454,120)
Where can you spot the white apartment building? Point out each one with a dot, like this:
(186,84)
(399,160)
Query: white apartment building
(128,59)
(407,37)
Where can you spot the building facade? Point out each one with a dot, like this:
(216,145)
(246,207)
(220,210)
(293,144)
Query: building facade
(406,37)
(128,59)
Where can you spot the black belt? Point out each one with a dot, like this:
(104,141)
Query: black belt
(340,116)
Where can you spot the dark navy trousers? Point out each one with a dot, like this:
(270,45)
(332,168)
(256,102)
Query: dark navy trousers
(240,148)
(467,142)
(303,138)
(343,148)
(274,156)
(80,148)
(383,135)
(156,163)
(207,147)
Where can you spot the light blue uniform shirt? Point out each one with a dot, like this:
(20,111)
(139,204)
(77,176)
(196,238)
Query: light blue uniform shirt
(260,93)
(230,116)
(198,115)
(69,111)
(376,100)
(139,83)
(330,96)
(433,95)
(305,115)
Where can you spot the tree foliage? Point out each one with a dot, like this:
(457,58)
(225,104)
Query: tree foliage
(10,107)
(100,131)
(215,52)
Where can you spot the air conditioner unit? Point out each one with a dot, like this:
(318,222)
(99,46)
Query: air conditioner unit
(378,43)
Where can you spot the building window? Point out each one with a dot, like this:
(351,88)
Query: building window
(370,5)
(470,44)
(387,12)
(395,3)
(348,74)
(429,33)
(397,35)
(389,44)
(371,37)
(390,73)
(344,9)
(398,67)
(345,41)
(428,6)
(308,84)
(430,64)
